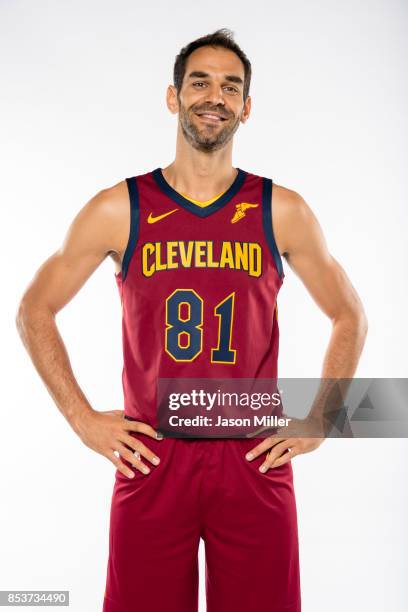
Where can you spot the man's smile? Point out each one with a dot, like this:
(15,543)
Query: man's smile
(213,117)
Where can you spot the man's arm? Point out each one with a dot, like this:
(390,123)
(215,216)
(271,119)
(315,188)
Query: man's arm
(99,229)
(300,239)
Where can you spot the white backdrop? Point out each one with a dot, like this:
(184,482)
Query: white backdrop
(82,107)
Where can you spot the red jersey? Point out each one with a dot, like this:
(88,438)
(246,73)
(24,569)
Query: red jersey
(198,287)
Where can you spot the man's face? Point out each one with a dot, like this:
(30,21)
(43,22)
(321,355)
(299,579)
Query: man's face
(210,102)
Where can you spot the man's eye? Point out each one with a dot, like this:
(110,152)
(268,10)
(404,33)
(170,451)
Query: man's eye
(229,87)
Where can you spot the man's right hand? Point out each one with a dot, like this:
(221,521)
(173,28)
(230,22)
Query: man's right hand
(107,433)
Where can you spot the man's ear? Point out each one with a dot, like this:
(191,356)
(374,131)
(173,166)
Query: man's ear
(246,111)
(171,99)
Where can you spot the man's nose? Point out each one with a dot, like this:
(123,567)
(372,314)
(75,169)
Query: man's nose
(215,94)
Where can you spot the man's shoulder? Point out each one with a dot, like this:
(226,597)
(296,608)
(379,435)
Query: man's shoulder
(290,213)
(108,197)
(110,204)
(106,216)
(288,205)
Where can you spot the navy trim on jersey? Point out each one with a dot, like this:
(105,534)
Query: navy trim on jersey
(267,223)
(134,224)
(194,208)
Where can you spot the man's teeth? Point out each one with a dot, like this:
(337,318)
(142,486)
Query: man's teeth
(211,116)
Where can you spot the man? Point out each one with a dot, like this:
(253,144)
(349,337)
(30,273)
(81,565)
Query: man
(198,276)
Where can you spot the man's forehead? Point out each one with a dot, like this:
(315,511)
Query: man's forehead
(214,62)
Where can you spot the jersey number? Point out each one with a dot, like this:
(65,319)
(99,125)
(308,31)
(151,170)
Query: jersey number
(184,331)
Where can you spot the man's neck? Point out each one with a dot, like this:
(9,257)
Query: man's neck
(200,176)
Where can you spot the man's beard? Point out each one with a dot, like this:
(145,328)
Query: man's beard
(206,139)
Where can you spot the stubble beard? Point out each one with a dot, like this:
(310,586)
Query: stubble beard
(205,139)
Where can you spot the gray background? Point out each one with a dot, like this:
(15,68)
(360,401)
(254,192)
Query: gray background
(82,107)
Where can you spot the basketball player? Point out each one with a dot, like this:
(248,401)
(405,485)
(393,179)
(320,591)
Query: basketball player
(197,248)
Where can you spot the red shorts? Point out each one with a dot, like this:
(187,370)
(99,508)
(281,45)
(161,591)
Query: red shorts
(203,489)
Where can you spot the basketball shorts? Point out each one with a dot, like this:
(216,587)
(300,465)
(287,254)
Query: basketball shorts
(203,488)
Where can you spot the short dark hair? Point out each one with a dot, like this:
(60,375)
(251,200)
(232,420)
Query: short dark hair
(220,38)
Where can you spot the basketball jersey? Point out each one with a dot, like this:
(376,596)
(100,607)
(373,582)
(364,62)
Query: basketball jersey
(198,287)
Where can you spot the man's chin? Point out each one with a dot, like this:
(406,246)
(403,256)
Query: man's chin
(206,147)
(201,139)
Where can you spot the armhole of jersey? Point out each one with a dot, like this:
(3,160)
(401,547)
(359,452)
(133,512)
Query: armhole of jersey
(267,223)
(134,224)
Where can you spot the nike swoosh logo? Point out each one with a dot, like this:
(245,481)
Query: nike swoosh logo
(151,219)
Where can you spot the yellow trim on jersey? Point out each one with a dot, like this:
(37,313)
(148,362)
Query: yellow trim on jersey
(203,204)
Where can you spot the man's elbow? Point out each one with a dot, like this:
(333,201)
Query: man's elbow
(22,317)
(355,319)
(364,323)
(361,329)
(361,320)
(29,315)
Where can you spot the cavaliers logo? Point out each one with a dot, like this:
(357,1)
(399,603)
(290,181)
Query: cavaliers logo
(240,212)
